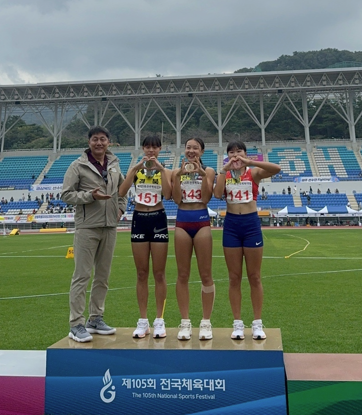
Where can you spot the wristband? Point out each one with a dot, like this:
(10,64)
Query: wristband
(222,171)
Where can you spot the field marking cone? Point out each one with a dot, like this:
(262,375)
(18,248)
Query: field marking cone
(70,253)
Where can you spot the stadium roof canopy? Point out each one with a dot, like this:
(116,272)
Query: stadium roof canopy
(147,96)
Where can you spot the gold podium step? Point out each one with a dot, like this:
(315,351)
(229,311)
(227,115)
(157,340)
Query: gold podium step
(221,340)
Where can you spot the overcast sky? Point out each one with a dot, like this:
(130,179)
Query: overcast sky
(75,40)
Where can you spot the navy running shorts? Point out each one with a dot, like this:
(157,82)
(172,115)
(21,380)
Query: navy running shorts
(242,231)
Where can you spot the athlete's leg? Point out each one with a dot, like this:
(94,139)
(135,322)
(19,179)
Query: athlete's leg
(234,263)
(203,251)
(141,256)
(183,253)
(159,257)
(253,258)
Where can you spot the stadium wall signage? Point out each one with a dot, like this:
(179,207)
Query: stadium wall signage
(46,187)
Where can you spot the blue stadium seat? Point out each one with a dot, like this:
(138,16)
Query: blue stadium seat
(13,208)
(337,161)
(275,201)
(22,170)
(293,161)
(57,170)
(124,161)
(318,201)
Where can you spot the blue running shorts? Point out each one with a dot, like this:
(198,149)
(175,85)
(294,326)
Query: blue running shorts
(242,231)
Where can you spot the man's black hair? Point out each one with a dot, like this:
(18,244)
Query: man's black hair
(97,129)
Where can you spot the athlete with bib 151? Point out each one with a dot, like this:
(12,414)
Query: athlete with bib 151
(242,236)
(191,190)
(149,233)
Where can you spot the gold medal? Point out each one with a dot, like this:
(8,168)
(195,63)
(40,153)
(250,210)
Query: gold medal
(148,164)
(235,174)
(189,167)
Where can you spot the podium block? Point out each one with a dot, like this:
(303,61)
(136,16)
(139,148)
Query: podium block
(117,374)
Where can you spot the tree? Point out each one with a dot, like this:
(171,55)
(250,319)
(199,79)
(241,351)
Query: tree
(21,135)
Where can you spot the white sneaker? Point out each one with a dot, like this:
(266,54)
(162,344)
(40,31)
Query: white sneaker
(258,332)
(185,331)
(238,332)
(159,330)
(143,328)
(205,332)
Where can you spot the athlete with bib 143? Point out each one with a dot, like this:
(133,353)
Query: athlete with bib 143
(192,190)
(149,232)
(238,182)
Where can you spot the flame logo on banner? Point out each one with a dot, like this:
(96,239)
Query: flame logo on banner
(107,381)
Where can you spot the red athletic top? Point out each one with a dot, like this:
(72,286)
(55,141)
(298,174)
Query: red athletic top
(235,192)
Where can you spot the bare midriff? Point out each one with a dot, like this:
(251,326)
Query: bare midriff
(241,208)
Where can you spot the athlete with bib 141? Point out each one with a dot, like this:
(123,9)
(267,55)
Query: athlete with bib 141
(238,182)
(149,232)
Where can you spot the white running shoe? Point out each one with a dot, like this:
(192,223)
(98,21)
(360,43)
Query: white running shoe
(238,332)
(258,332)
(143,328)
(159,330)
(205,332)
(185,331)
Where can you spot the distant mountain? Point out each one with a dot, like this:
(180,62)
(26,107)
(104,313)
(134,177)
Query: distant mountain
(316,59)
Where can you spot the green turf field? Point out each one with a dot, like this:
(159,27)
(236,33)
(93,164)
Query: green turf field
(314,296)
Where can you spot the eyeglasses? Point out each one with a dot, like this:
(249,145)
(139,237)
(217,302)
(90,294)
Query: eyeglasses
(104,175)
(101,139)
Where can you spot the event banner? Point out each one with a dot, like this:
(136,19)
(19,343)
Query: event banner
(47,187)
(94,382)
(302,179)
(38,218)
